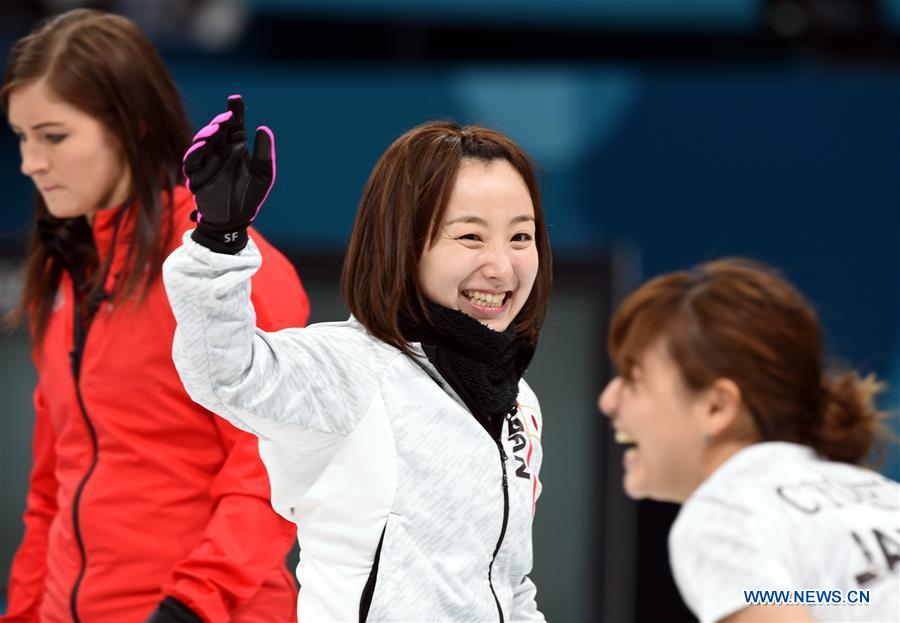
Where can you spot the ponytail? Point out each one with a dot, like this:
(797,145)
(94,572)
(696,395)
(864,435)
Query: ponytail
(850,424)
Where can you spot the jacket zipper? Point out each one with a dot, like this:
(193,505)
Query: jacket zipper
(77,355)
(499,443)
(80,328)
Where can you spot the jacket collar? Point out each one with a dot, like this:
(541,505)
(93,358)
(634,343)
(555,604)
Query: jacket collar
(123,217)
(104,226)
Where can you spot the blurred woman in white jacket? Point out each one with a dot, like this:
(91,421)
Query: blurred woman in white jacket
(724,402)
(403,442)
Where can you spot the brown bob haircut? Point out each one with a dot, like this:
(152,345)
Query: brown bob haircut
(106,67)
(402,207)
(738,319)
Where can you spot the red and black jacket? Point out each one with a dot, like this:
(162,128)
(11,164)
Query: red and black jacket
(137,493)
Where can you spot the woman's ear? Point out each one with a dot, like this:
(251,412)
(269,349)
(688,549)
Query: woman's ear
(721,407)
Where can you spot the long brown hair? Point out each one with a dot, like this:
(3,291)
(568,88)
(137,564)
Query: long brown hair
(738,319)
(105,66)
(401,209)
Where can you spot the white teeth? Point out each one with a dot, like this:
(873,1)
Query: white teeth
(485,299)
(623,438)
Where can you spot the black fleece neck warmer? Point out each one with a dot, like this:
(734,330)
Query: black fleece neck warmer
(482,366)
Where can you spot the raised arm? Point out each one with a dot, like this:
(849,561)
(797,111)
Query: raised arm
(258,381)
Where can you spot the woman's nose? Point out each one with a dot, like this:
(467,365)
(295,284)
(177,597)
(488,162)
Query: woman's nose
(498,265)
(34,160)
(608,401)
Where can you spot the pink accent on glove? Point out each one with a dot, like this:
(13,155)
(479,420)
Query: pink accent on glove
(191,149)
(222,117)
(213,126)
(268,131)
(206,131)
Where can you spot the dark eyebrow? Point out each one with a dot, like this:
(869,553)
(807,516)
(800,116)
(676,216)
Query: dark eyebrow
(45,124)
(480,221)
(15,128)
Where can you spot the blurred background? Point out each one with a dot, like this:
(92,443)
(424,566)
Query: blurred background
(667,132)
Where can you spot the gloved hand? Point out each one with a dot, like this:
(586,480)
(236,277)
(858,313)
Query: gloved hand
(171,610)
(229,186)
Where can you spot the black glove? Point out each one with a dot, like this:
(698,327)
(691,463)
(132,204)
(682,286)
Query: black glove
(229,186)
(171,610)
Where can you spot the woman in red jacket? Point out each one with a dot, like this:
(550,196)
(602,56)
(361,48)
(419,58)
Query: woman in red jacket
(142,506)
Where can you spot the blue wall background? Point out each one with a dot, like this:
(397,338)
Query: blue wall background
(796,165)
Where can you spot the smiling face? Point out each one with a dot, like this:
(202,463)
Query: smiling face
(75,163)
(651,408)
(484,260)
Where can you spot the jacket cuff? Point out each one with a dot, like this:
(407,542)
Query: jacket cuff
(221,241)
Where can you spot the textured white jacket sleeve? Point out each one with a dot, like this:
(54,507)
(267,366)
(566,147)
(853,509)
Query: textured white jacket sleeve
(315,379)
(524,604)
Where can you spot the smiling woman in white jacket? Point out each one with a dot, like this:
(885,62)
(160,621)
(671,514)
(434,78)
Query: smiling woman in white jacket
(728,406)
(403,442)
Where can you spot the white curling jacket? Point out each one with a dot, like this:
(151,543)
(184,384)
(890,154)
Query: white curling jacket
(407,508)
